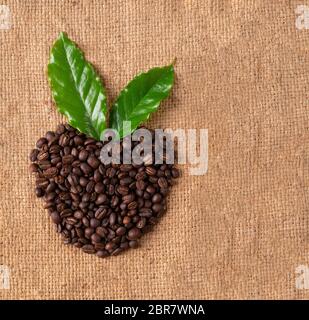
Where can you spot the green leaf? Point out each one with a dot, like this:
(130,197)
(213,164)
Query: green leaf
(141,97)
(76,88)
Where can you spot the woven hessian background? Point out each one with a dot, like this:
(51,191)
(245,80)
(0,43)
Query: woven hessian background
(240,230)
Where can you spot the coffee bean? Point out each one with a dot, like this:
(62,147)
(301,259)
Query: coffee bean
(83,181)
(42,155)
(88,248)
(78,214)
(33,155)
(54,149)
(33,168)
(71,220)
(116,251)
(101,199)
(123,190)
(141,223)
(85,168)
(94,223)
(102,253)
(128,198)
(110,246)
(39,192)
(89,232)
(140,184)
(97,177)
(151,189)
(151,171)
(101,231)
(126,220)
(157,207)
(132,205)
(41,142)
(78,141)
(121,231)
(55,217)
(93,162)
(112,218)
(134,234)
(162,182)
(67,159)
(133,244)
(99,187)
(156,198)
(95,238)
(125,181)
(50,172)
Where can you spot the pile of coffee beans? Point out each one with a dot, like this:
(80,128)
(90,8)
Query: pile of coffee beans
(102,209)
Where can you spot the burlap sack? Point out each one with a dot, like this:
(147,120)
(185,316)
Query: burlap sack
(239,231)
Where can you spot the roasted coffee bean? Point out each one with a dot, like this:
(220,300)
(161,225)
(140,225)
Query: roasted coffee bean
(54,149)
(102,253)
(162,182)
(55,217)
(123,190)
(41,142)
(42,183)
(112,218)
(94,223)
(88,248)
(157,207)
(103,209)
(83,181)
(110,246)
(128,198)
(134,234)
(133,244)
(71,220)
(141,223)
(44,164)
(93,162)
(101,199)
(95,238)
(86,168)
(151,189)
(67,159)
(132,205)
(78,141)
(65,213)
(78,214)
(125,181)
(39,192)
(101,231)
(126,220)
(33,168)
(156,198)
(89,232)
(50,172)
(140,184)
(43,155)
(33,155)
(121,231)
(99,187)
(151,171)
(83,155)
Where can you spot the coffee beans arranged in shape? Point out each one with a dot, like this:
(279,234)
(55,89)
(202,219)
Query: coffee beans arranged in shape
(102,209)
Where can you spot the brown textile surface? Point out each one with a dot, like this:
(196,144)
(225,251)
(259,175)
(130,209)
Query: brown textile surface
(240,230)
